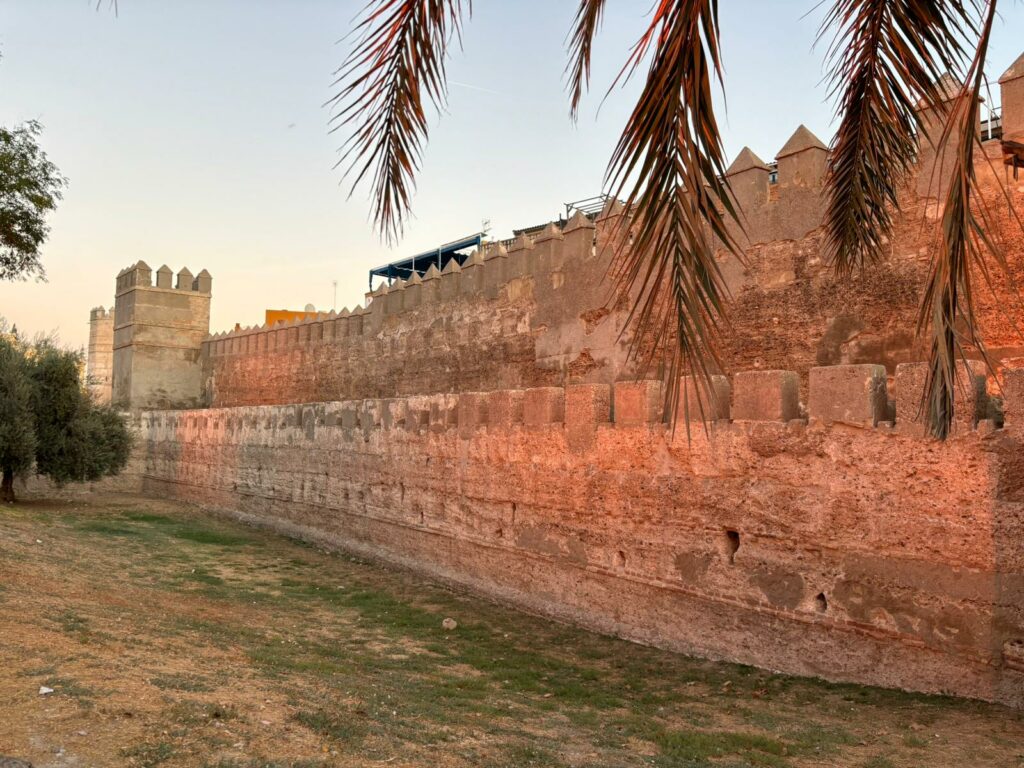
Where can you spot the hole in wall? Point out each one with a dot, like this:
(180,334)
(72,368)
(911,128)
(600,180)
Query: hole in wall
(619,559)
(820,603)
(732,545)
(499,532)
(401,489)
(422,517)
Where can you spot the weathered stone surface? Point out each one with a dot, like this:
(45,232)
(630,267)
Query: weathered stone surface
(1013,399)
(716,403)
(859,555)
(766,396)
(851,394)
(505,407)
(543,405)
(587,406)
(970,401)
(472,411)
(638,402)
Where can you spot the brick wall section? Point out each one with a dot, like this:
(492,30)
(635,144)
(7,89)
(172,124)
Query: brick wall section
(864,554)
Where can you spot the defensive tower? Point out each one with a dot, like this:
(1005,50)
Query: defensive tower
(99,366)
(158,333)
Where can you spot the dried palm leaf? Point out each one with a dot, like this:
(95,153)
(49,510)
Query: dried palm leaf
(396,66)
(669,167)
(947,307)
(585,26)
(886,55)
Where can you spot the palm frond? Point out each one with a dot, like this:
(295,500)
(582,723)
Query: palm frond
(397,64)
(947,307)
(886,55)
(669,166)
(584,28)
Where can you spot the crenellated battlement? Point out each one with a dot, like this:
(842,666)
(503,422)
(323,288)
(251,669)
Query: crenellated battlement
(140,275)
(482,276)
(843,396)
(784,201)
(158,329)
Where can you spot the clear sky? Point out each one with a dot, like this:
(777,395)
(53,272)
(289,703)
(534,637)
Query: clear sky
(194,134)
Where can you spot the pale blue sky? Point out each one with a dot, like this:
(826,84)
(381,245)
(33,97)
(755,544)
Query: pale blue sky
(193,134)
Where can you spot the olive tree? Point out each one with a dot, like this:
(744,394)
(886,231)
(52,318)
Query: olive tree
(48,419)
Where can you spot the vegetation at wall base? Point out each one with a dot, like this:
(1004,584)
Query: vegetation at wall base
(49,421)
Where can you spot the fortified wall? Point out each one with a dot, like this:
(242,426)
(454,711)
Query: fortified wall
(483,425)
(844,547)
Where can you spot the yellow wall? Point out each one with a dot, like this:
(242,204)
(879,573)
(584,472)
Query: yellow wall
(287,315)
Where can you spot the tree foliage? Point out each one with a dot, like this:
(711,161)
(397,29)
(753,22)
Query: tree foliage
(48,419)
(30,187)
(17,425)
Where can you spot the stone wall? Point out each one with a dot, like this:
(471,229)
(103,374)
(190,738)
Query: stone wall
(839,545)
(528,315)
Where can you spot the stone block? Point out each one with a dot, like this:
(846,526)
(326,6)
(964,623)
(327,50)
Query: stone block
(472,411)
(505,407)
(444,412)
(394,413)
(370,413)
(766,396)
(349,415)
(417,415)
(715,403)
(586,406)
(850,394)
(1013,399)
(638,402)
(970,401)
(543,405)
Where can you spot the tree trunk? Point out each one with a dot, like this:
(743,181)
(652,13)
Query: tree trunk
(7,487)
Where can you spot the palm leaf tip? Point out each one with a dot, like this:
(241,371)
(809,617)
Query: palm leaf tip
(396,65)
(886,59)
(585,26)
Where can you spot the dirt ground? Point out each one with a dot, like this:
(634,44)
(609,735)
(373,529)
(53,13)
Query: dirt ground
(172,638)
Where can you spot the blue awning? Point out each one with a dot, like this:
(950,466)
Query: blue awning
(420,263)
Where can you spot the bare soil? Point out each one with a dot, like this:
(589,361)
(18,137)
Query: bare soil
(172,638)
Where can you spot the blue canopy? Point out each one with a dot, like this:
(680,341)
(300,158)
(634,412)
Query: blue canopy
(420,263)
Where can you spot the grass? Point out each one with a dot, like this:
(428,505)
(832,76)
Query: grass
(147,755)
(181,640)
(183,682)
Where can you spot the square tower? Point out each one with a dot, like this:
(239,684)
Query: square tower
(158,335)
(99,363)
